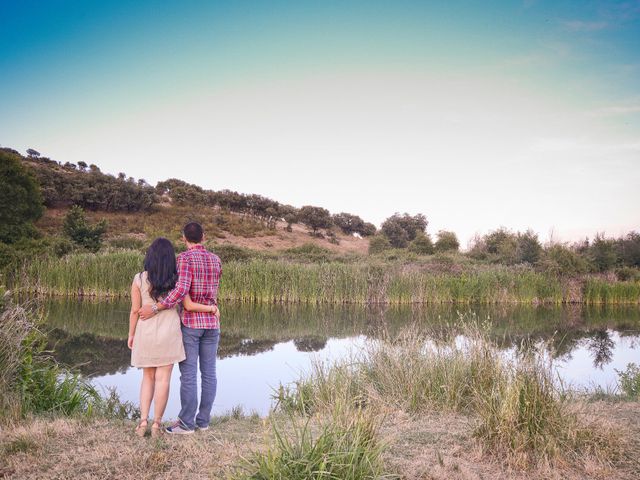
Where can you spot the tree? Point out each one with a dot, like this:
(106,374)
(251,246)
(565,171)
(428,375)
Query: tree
(81,232)
(422,245)
(33,153)
(447,241)
(82,165)
(602,253)
(348,223)
(368,229)
(528,249)
(315,217)
(20,199)
(401,229)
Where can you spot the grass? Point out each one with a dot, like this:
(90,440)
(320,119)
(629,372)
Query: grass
(32,382)
(373,281)
(516,408)
(344,446)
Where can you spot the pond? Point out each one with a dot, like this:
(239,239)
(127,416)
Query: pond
(263,346)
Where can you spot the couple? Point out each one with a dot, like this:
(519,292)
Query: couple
(158,337)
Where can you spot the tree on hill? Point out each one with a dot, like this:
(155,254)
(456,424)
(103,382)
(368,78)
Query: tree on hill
(402,229)
(315,217)
(33,153)
(81,232)
(20,199)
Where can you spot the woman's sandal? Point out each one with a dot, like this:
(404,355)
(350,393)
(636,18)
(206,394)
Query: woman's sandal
(141,429)
(156,429)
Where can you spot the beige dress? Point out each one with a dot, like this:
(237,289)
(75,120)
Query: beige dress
(158,340)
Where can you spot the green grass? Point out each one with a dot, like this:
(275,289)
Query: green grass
(109,274)
(599,291)
(517,410)
(629,381)
(32,382)
(343,446)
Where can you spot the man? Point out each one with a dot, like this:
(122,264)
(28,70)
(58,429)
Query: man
(199,273)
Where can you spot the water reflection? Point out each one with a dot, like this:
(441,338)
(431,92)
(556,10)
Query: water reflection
(92,335)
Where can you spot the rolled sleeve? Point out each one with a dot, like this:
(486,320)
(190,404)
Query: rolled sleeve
(185,275)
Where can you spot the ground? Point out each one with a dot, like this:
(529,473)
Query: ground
(427,447)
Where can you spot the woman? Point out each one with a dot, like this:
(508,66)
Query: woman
(156,343)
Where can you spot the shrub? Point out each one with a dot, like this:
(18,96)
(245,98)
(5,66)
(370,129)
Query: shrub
(629,380)
(81,232)
(602,253)
(561,260)
(378,244)
(628,274)
(447,241)
(421,245)
(528,248)
(315,217)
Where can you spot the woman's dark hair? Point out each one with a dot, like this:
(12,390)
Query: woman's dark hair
(160,264)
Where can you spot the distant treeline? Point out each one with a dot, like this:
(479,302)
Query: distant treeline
(67,184)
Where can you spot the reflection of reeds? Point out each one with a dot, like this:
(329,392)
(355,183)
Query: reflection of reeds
(517,409)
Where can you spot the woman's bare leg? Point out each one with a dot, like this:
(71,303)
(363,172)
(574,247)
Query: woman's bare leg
(146,391)
(161,393)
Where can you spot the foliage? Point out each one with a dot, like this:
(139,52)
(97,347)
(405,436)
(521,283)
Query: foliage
(560,260)
(421,245)
(350,224)
(447,241)
(401,229)
(20,199)
(315,217)
(379,243)
(528,248)
(32,382)
(629,380)
(346,448)
(628,274)
(602,253)
(81,232)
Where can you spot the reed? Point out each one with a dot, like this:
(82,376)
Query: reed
(599,291)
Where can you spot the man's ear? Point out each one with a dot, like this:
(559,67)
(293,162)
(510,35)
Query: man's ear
(204,237)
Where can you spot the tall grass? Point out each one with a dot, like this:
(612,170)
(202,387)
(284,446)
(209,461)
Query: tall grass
(599,291)
(31,382)
(518,409)
(370,282)
(344,446)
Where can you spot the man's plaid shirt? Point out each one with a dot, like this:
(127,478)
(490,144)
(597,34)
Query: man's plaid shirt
(199,273)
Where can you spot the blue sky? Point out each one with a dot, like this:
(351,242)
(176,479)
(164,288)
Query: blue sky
(478,114)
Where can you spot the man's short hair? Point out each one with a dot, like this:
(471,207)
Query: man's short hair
(193,232)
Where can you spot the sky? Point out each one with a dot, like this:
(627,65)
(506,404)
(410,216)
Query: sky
(522,114)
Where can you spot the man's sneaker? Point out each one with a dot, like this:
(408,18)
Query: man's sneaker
(202,429)
(178,429)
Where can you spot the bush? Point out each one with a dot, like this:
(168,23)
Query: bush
(81,232)
(401,229)
(232,253)
(629,380)
(628,274)
(563,261)
(528,248)
(378,244)
(421,245)
(602,253)
(447,241)
(315,217)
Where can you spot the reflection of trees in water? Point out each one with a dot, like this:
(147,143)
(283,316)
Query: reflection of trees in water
(601,347)
(90,354)
(99,329)
(310,343)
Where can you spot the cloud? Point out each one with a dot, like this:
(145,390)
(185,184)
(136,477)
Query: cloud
(583,26)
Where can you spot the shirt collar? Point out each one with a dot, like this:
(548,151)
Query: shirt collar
(196,247)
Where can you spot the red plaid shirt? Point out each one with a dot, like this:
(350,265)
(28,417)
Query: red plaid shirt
(199,274)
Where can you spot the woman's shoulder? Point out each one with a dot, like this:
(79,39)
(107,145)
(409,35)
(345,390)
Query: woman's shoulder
(140,277)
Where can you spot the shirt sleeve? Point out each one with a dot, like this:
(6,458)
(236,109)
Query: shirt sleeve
(183,284)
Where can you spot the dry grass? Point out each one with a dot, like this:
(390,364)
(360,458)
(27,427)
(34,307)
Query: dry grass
(434,446)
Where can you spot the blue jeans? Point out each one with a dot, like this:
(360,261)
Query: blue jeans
(202,343)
